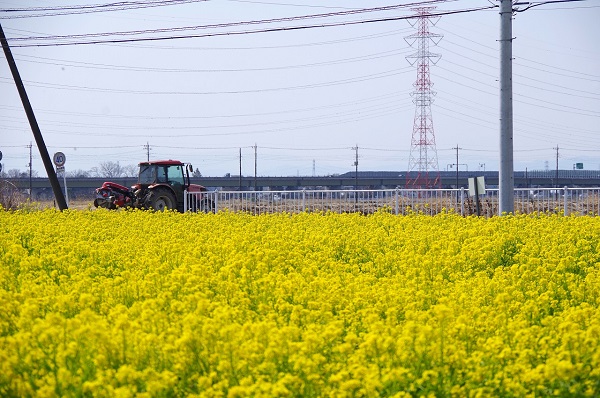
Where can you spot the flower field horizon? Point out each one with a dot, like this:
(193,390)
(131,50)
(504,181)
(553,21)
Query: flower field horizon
(143,304)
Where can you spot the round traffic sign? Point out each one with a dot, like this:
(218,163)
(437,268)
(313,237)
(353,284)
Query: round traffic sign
(59,159)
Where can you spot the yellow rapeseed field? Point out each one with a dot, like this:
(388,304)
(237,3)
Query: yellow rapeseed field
(132,303)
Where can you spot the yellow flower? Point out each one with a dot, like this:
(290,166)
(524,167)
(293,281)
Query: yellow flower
(311,305)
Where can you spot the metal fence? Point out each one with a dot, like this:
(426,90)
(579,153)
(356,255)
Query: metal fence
(579,201)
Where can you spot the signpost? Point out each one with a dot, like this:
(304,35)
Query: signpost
(476,188)
(59,161)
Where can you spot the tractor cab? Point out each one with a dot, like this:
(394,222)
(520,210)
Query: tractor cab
(162,183)
(169,172)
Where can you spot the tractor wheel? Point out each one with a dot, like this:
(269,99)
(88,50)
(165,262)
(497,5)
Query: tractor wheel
(161,199)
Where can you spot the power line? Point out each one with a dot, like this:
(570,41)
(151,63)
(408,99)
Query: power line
(144,134)
(187,117)
(562,108)
(589,77)
(35,12)
(228,33)
(357,79)
(154,46)
(119,6)
(234,24)
(288,4)
(114,67)
(301,149)
(543,3)
(376,108)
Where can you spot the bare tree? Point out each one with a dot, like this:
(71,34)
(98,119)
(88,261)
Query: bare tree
(16,173)
(130,170)
(78,174)
(113,170)
(110,170)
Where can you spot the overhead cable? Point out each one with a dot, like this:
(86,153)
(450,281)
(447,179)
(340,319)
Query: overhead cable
(102,40)
(33,12)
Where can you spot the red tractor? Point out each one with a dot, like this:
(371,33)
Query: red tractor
(161,185)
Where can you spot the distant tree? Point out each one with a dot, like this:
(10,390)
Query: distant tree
(16,173)
(109,170)
(113,170)
(79,174)
(197,173)
(130,170)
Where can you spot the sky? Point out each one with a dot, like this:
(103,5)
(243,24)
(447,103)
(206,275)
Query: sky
(297,101)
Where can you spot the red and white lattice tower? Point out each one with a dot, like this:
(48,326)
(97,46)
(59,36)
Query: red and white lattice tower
(423,171)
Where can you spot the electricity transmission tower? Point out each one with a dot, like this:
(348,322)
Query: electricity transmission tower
(423,170)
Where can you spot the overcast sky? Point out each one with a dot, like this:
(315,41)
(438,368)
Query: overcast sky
(304,97)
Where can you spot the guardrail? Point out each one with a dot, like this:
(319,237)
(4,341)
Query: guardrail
(580,201)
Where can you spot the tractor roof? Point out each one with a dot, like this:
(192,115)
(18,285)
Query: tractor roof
(163,162)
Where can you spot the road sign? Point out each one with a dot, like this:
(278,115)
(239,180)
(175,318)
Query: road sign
(476,186)
(59,159)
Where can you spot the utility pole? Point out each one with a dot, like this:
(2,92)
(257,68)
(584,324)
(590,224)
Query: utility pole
(556,172)
(30,172)
(355,173)
(240,169)
(255,163)
(506,172)
(314,168)
(457,148)
(35,128)
(147,148)
(355,149)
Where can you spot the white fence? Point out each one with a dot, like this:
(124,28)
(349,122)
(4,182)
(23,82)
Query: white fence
(580,201)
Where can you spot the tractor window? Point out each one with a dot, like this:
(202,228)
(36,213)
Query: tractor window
(161,174)
(147,174)
(175,174)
